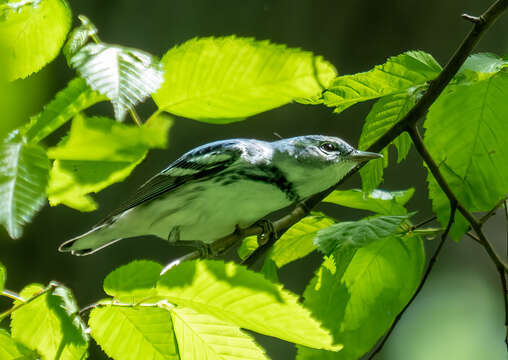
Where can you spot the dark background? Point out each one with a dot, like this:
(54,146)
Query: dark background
(458,315)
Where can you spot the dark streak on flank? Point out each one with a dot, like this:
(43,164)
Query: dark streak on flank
(263,173)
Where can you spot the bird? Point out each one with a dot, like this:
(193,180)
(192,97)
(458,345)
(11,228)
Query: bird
(219,187)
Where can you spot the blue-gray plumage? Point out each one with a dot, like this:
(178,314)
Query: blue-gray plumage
(215,188)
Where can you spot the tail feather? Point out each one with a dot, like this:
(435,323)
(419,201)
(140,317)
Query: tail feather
(89,242)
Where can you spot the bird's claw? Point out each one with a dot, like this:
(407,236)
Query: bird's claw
(269,231)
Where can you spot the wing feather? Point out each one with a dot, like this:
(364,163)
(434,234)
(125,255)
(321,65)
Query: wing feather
(195,165)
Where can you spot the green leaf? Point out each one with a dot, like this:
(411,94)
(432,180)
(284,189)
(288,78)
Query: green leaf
(79,37)
(378,201)
(126,76)
(385,113)
(359,233)
(10,349)
(298,241)
(243,298)
(357,293)
(480,67)
(76,97)
(441,207)
(221,80)
(135,332)
(399,74)
(466,135)
(23,181)
(201,336)
(50,325)
(134,280)
(269,269)
(31,34)
(247,247)
(3,277)
(372,172)
(97,153)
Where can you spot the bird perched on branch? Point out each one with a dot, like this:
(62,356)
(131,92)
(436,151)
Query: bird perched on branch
(216,188)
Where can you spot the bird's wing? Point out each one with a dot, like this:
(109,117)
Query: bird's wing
(197,164)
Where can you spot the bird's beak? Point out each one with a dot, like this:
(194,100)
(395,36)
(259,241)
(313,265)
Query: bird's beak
(363,156)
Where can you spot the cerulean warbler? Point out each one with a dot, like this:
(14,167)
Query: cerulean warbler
(215,188)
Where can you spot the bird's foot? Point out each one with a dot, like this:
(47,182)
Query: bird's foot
(268,233)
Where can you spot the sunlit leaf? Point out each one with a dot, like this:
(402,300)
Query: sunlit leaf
(131,333)
(479,67)
(50,325)
(226,79)
(358,292)
(399,74)
(243,298)
(466,135)
(23,181)
(126,76)
(134,280)
(298,241)
(31,34)
(201,336)
(10,349)
(247,247)
(358,233)
(97,153)
(385,113)
(76,97)
(378,201)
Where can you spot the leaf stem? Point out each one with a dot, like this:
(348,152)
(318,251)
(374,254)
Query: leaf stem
(12,295)
(423,223)
(134,115)
(49,288)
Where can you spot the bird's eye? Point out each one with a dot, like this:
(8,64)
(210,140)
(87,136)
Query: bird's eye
(329,147)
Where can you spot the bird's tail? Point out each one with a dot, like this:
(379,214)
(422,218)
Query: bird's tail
(90,242)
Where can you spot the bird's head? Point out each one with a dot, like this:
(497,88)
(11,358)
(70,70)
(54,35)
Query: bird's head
(316,162)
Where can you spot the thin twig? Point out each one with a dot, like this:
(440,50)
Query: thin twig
(423,223)
(492,212)
(474,237)
(432,261)
(134,115)
(49,288)
(12,295)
